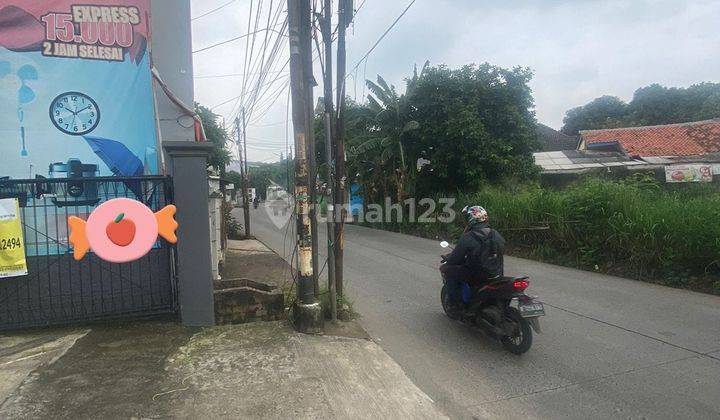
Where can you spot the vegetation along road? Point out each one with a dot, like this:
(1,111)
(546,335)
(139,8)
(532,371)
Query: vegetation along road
(610,347)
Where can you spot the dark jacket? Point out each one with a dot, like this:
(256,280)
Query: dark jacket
(468,242)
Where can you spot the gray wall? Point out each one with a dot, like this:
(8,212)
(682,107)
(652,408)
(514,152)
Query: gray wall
(185,159)
(172,56)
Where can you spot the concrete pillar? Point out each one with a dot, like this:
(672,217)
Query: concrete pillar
(187,165)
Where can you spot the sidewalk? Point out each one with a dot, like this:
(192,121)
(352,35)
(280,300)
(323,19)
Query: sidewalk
(259,370)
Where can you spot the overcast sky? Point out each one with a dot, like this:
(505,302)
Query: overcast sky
(578,50)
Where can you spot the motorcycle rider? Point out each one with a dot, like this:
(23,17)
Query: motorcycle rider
(478,256)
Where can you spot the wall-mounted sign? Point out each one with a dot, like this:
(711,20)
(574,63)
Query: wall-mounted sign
(75,85)
(12,242)
(689,173)
(121,230)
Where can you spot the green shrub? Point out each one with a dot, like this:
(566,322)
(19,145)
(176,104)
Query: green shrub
(636,224)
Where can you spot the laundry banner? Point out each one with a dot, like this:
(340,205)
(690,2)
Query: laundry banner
(689,173)
(12,243)
(76,95)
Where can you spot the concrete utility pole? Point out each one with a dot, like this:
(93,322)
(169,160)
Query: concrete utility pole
(243,170)
(310,83)
(332,286)
(345,15)
(307,312)
(326,28)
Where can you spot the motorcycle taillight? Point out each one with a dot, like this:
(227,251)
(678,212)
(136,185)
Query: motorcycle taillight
(521,285)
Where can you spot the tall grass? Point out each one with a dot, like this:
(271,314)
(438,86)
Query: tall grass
(634,228)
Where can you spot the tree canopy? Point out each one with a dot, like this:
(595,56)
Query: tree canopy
(651,105)
(452,129)
(262,175)
(216,134)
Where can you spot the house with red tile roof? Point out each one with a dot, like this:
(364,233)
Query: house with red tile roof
(696,139)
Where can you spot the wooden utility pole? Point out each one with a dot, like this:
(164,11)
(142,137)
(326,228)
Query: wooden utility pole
(307,312)
(242,153)
(345,14)
(326,28)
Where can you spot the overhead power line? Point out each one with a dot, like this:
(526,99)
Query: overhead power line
(261,58)
(360,7)
(268,125)
(214,10)
(239,96)
(217,76)
(235,39)
(382,37)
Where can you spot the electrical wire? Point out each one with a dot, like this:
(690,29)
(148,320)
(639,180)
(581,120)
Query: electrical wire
(268,104)
(359,7)
(217,76)
(268,125)
(384,34)
(263,65)
(233,39)
(347,74)
(213,10)
(237,97)
(252,46)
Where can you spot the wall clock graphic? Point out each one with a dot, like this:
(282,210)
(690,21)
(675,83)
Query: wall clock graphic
(74,113)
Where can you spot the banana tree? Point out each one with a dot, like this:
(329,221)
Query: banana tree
(387,137)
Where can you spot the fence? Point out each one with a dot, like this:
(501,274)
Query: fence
(60,290)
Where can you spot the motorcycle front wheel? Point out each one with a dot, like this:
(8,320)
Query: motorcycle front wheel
(521,339)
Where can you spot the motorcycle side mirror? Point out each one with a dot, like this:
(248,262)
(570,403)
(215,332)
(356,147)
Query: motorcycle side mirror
(444,244)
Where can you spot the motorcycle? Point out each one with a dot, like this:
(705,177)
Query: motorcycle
(500,308)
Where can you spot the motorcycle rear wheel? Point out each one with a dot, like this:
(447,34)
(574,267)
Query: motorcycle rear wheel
(521,340)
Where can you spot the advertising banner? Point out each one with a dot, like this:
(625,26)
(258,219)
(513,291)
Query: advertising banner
(76,89)
(12,243)
(689,173)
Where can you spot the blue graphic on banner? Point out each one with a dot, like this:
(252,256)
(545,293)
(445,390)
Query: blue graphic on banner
(33,136)
(76,100)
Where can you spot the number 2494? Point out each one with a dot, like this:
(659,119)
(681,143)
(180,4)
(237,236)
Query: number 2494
(9,243)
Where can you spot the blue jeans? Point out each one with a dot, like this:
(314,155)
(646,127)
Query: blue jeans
(455,276)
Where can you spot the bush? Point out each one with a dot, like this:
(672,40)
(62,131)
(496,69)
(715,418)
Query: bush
(231,224)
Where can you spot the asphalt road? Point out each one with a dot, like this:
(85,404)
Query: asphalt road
(610,347)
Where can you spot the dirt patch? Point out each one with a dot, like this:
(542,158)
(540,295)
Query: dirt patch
(112,372)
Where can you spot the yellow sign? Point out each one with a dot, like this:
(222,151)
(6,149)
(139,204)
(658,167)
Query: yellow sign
(12,243)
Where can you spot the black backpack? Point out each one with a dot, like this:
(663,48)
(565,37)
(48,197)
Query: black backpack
(486,260)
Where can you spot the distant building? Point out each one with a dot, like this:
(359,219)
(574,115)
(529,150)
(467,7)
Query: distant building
(552,140)
(667,141)
(560,155)
(687,152)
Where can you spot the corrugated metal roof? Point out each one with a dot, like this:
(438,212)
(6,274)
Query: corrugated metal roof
(578,160)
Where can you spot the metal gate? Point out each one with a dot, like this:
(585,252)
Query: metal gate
(60,290)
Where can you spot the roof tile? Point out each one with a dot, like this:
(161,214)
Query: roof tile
(686,139)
